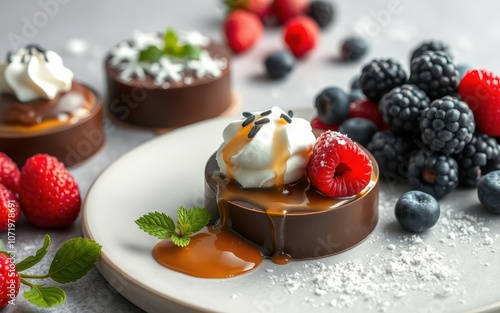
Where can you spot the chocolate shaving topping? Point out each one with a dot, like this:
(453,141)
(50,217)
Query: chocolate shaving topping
(266,113)
(253,131)
(286,118)
(247,114)
(249,119)
(262,121)
(290,113)
(37,48)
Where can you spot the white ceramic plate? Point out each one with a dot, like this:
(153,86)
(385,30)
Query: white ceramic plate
(168,171)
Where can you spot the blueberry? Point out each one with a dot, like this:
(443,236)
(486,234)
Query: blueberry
(462,68)
(354,48)
(332,105)
(488,191)
(359,129)
(417,211)
(356,94)
(355,83)
(279,64)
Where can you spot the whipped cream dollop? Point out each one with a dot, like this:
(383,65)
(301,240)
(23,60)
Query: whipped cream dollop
(34,73)
(266,149)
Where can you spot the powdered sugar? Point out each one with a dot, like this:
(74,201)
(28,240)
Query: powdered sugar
(393,270)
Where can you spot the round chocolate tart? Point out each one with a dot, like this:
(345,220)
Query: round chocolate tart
(144,102)
(296,222)
(69,127)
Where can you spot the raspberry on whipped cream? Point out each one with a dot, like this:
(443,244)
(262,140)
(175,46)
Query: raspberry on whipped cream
(266,149)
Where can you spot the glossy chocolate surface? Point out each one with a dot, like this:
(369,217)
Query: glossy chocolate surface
(146,104)
(71,140)
(296,221)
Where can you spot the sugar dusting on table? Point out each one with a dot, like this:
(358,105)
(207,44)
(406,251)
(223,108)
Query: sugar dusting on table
(404,265)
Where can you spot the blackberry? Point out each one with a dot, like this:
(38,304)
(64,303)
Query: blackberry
(392,153)
(433,173)
(354,48)
(380,76)
(321,12)
(476,157)
(431,45)
(447,125)
(402,108)
(435,73)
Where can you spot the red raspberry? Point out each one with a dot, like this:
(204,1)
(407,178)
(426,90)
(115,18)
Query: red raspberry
(301,34)
(242,29)
(285,10)
(9,173)
(10,210)
(366,109)
(317,124)
(480,89)
(49,195)
(338,167)
(9,280)
(261,8)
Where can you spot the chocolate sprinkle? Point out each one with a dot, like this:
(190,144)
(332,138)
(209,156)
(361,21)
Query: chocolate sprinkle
(262,121)
(266,113)
(248,120)
(286,118)
(247,114)
(253,131)
(290,113)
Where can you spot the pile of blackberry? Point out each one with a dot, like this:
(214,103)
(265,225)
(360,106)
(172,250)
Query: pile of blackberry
(430,139)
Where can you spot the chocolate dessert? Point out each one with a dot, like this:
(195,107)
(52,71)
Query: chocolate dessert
(291,219)
(44,111)
(165,81)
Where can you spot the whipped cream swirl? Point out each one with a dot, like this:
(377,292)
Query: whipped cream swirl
(266,149)
(34,73)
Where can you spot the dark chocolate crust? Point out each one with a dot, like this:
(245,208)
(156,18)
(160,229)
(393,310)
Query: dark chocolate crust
(145,104)
(307,235)
(70,143)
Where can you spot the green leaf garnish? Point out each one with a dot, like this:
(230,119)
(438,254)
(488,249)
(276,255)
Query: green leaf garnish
(45,297)
(180,241)
(199,217)
(74,259)
(34,259)
(162,226)
(171,47)
(150,54)
(157,224)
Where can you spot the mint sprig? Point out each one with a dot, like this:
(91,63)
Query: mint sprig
(71,262)
(162,226)
(172,47)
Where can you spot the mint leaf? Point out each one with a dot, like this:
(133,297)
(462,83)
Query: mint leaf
(73,260)
(150,54)
(157,224)
(180,241)
(184,229)
(182,216)
(191,52)
(34,259)
(171,41)
(45,297)
(198,217)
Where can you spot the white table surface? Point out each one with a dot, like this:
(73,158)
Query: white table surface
(470,27)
